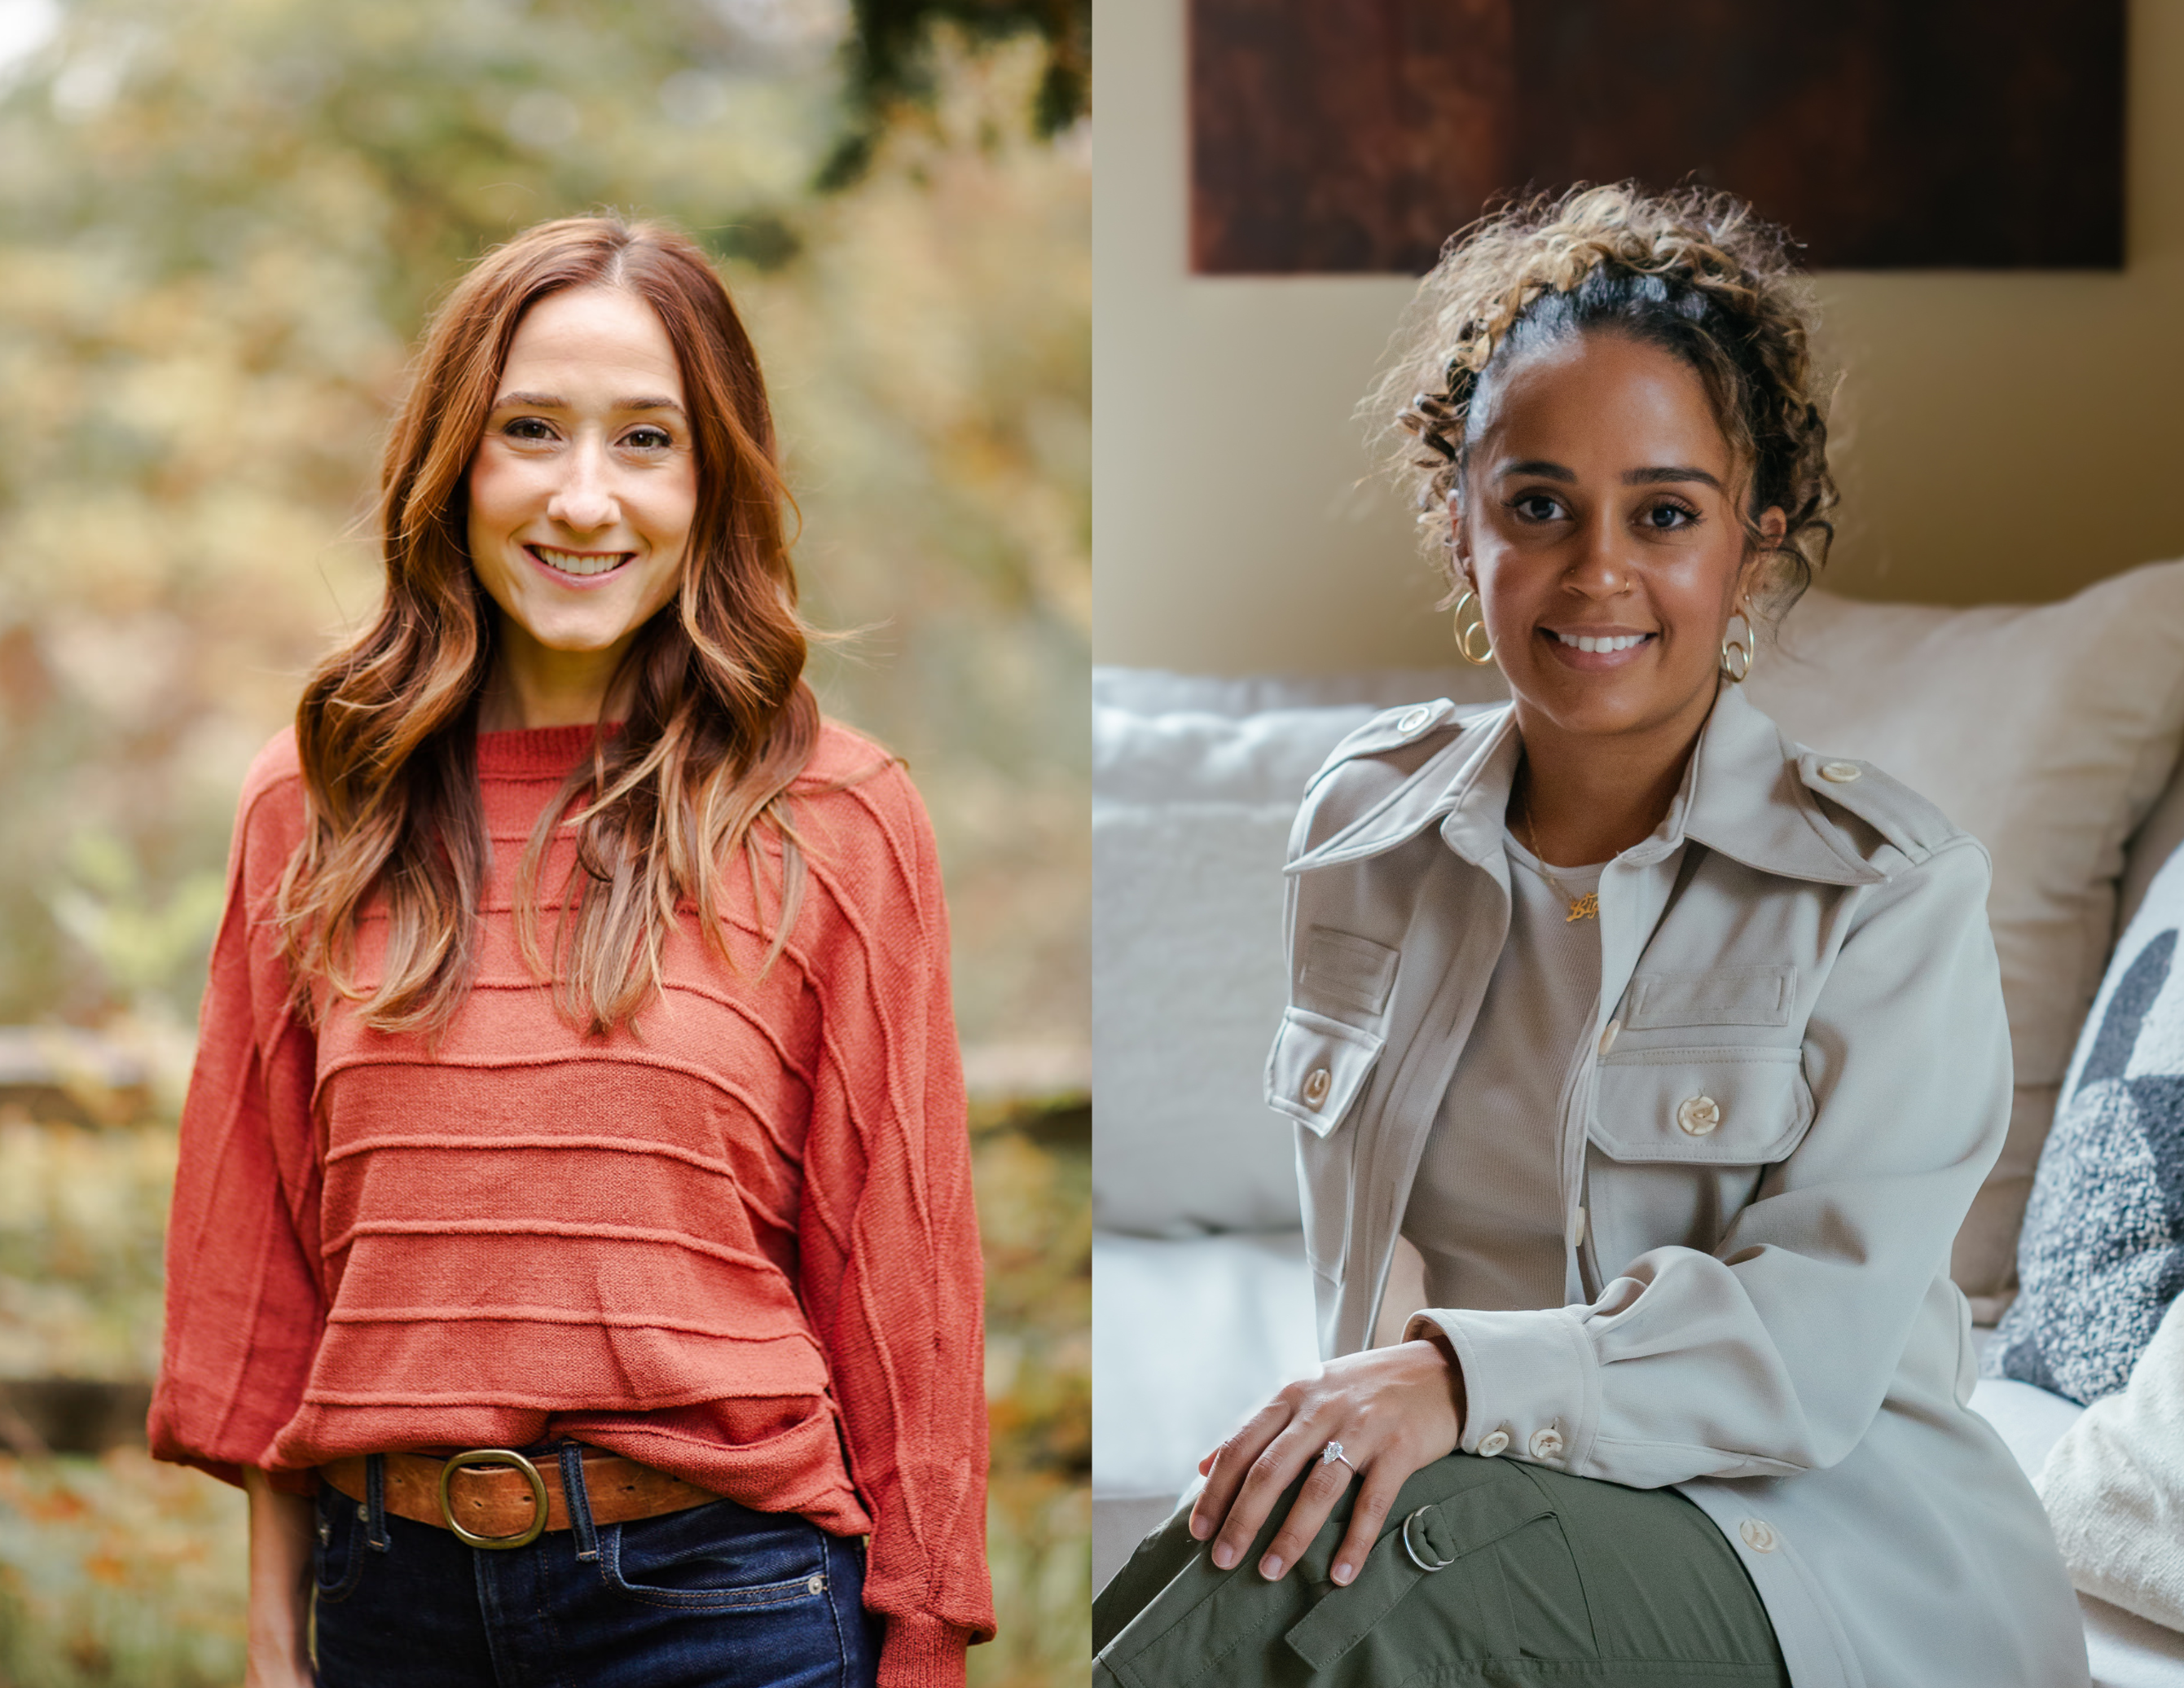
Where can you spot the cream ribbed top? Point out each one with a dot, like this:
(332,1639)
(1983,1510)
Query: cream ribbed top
(1485,1209)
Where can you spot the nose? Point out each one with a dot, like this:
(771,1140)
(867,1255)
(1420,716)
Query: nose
(584,501)
(1599,569)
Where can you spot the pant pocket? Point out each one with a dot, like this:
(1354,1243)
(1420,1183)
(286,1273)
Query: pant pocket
(339,1548)
(717,1557)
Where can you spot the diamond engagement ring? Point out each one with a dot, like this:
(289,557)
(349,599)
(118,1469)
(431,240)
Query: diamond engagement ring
(1333,1453)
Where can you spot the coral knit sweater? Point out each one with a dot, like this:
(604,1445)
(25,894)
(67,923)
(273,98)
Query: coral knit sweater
(734,1244)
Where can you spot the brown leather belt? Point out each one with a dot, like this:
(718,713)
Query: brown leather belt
(495,1498)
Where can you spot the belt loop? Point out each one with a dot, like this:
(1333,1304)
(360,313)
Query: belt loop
(578,1500)
(375,1502)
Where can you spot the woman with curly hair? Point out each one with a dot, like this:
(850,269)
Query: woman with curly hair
(573,1251)
(1676,1049)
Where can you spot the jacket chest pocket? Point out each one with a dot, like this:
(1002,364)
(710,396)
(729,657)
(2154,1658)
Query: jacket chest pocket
(1680,1142)
(1731,1105)
(1316,1069)
(1316,1072)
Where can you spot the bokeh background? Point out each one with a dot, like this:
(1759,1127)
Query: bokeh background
(221,224)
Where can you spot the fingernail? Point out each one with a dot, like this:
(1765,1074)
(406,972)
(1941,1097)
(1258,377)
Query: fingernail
(1224,1555)
(1270,1567)
(1200,1529)
(1343,1573)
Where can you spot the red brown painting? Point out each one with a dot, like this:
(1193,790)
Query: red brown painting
(1333,136)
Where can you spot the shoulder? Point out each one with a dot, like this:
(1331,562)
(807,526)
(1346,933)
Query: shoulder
(1878,818)
(272,808)
(854,807)
(1379,762)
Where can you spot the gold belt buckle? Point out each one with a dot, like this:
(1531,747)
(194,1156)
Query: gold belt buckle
(522,1538)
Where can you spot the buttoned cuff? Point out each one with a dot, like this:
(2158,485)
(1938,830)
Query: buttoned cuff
(1531,1382)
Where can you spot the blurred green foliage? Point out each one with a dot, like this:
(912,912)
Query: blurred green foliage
(890,64)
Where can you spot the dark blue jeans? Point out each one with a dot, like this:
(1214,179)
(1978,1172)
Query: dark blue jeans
(716,1597)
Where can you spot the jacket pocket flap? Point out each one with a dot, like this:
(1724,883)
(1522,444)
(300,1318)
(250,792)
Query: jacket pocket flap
(1734,1105)
(1718,996)
(1317,1067)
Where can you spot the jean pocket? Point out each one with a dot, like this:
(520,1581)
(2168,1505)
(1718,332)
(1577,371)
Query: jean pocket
(717,1557)
(338,1550)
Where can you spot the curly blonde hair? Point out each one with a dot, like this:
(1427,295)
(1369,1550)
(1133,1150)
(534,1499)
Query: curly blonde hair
(1695,273)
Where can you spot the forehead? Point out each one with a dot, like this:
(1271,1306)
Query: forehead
(1603,400)
(587,337)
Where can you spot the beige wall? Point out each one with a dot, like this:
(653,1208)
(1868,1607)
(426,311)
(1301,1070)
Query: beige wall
(1999,437)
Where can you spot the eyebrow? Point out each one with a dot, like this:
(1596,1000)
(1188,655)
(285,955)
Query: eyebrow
(1651,477)
(1540,468)
(553,401)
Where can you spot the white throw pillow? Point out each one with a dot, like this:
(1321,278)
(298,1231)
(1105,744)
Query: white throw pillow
(1194,783)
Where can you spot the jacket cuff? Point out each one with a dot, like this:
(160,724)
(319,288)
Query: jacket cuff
(1531,1382)
(922,1652)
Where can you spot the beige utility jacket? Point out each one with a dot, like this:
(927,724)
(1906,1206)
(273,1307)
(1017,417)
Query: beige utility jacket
(1797,1076)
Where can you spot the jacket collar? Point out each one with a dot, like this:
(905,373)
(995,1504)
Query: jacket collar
(1743,796)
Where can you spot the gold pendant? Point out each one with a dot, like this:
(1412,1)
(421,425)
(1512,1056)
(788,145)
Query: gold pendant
(1584,908)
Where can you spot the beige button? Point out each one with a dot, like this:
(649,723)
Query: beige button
(1608,1037)
(1698,1115)
(1493,1442)
(1547,1443)
(1414,719)
(1577,1229)
(1840,773)
(1317,1084)
(1758,1536)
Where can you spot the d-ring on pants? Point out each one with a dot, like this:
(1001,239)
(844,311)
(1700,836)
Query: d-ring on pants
(1541,1577)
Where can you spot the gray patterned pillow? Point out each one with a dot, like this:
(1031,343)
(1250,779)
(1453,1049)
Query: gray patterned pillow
(2101,1253)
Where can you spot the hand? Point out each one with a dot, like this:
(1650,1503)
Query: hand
(1394,1410)
(280,1579)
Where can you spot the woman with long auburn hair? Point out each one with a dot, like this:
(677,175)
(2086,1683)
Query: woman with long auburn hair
(573,1252)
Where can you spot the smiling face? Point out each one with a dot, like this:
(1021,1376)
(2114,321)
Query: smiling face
(1599,525)
(581,494)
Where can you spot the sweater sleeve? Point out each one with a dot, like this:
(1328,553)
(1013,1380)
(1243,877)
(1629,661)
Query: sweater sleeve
(245,1298)
(891,1277)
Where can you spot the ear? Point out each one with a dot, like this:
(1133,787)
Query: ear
(1772,526)
(1459,537)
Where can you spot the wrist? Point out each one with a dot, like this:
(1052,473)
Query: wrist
(1434,1335)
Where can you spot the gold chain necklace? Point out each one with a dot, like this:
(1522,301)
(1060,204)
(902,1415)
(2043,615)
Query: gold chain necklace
(1586,907)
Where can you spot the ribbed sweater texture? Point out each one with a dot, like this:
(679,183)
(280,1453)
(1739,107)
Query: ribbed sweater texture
(731,1242)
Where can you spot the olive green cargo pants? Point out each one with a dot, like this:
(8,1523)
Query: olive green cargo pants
(1541,1578)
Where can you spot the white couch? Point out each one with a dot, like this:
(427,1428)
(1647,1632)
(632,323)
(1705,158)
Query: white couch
(2052,734)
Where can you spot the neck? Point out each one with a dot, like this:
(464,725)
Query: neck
(1589,797)
(533,686)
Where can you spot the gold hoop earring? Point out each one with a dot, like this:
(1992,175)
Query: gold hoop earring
(1737,658)
(1478,628)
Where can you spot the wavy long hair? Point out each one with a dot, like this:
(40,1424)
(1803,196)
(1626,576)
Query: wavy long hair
(720,723)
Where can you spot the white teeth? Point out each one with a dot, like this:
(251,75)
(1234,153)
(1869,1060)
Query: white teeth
(1626,642)
(579,562)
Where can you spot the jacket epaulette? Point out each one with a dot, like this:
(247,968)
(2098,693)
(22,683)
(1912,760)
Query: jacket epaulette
(1393,729)
(1900,815)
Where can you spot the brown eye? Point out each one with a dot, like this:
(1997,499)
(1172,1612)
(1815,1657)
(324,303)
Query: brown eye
(1669,517)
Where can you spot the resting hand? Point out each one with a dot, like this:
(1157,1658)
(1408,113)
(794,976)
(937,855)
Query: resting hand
(1394,1410)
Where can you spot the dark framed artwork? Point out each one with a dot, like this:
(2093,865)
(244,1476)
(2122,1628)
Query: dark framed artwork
(1331,135)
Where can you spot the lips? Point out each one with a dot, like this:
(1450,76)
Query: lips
(584,565)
